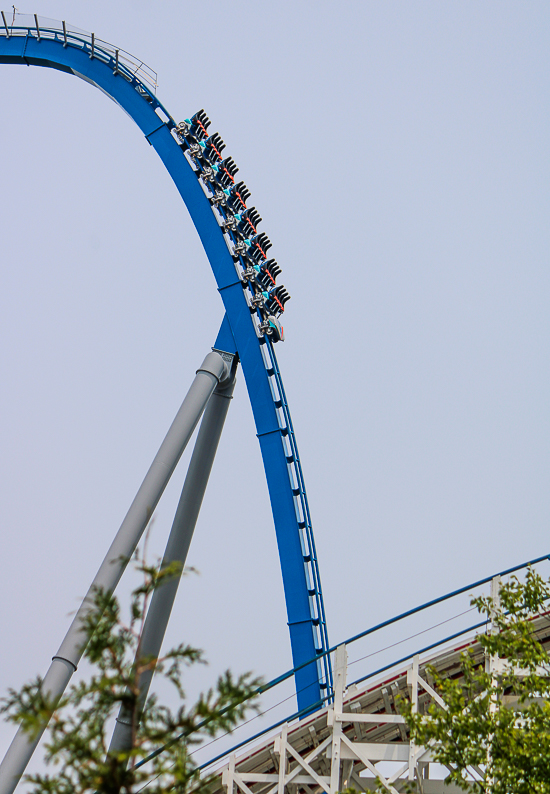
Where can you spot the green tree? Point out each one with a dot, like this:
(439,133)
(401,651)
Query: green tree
(80,724)
(498,716)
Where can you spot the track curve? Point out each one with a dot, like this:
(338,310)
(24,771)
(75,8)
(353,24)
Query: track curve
(38,42)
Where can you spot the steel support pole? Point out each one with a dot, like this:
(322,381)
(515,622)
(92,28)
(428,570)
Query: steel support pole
(64,663)
(177,548)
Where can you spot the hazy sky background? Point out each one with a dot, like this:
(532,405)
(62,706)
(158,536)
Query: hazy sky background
(398,154)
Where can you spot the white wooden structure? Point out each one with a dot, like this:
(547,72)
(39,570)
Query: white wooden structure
(357,739)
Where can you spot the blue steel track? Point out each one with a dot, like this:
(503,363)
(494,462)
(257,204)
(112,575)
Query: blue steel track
(83,56)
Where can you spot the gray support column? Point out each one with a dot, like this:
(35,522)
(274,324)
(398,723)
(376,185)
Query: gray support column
(177,547)
(64,663)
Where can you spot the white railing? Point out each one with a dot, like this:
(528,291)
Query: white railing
(15,24)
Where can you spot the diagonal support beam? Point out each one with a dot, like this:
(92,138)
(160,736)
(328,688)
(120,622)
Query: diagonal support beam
(362,755)
(305,764)
(212,371)
(282,747)
(177,548)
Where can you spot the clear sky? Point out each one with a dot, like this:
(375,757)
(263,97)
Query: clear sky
(398,154)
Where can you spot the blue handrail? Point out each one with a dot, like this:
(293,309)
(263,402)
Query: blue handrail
(285,676)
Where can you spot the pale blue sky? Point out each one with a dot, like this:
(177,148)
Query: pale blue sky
(398,154)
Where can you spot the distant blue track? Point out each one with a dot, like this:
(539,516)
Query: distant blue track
(83,56)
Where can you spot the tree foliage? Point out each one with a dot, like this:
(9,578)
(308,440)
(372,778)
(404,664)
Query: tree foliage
(497,719)
(80,724)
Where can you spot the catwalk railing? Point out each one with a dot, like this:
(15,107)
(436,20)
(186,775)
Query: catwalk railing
(302,512)
(121,62)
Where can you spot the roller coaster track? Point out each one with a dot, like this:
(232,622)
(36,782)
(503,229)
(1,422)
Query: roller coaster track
(246,283)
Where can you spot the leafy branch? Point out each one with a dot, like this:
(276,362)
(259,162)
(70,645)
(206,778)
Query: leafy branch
(78,733)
